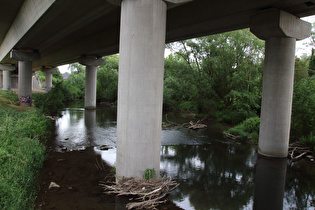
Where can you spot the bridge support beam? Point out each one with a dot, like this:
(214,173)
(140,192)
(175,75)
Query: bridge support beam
(280,30)
(91,64)
(25,75)
(48,77)
(140,87)
(6,69)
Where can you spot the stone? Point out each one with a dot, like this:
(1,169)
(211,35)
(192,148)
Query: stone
(53,186)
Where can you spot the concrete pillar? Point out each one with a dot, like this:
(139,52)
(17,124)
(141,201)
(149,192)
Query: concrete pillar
(91,64)
(6,69)
(269,183)
(1,79)
(280,30)
(48,77)
(25,74)
(140,87)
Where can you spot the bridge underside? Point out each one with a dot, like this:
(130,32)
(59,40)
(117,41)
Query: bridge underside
(62,31)
(44,34)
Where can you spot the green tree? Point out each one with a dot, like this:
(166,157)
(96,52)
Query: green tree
(57,77)
(76,68)
(107,79)
(303,109)
(226,70)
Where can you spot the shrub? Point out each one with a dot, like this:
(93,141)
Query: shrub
(51,103)
(249,128)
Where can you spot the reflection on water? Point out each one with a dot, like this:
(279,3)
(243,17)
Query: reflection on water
(213,172)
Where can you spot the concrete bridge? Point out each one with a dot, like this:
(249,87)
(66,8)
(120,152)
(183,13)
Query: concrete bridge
(40,35)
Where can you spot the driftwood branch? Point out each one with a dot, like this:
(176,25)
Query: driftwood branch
(190,125)
(297,152)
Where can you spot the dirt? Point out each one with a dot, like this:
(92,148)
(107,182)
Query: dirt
(76,174)
(78,177)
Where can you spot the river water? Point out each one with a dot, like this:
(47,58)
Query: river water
(213,172)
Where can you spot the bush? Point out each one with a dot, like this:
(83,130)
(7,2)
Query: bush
(51,103)
(248,129)
(308,140)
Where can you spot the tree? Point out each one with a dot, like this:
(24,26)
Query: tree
(107,79)
(226,70)
(76,68)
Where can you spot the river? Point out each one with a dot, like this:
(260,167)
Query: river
(213,172)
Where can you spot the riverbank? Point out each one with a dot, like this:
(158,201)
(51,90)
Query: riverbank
(22,152)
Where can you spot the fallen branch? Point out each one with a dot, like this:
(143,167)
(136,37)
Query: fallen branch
(297,152)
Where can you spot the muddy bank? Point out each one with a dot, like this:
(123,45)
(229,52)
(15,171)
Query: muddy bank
(76,174)
(78,177)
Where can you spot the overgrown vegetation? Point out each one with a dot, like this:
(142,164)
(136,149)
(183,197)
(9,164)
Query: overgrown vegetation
(248,129)
(21,152)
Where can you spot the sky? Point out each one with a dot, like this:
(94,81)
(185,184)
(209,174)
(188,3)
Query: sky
(301,47)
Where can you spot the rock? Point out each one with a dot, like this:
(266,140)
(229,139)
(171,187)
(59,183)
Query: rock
(53,186)
(63,148)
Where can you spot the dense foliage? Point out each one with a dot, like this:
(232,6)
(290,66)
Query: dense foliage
(21,152)
(218,75)
(107,79)
(303,111)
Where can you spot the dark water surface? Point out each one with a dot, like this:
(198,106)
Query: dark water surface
(213,172)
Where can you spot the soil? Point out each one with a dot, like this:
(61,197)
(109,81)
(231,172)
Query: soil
(78,177)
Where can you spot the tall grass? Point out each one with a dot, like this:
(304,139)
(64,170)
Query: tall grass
(21,154)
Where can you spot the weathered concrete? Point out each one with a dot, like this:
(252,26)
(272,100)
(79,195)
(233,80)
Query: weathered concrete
(140,87)
(25,75)
(1,79)
(269,183)
(28,15)
(6,77)
(48,77)
(91,64)
(62,37)
(278,77)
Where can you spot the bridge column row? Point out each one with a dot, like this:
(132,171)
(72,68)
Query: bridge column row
(280,30)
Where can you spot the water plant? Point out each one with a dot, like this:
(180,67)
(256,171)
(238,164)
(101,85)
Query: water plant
(148,174)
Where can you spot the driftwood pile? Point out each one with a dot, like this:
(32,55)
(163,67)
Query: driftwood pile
(298,152)
(191,125)
(148,194)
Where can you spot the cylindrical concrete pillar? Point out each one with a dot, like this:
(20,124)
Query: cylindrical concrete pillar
(140,87)
(91,64)
(25,59)
(90,87)
(48,81)
(6,80)
(269,183)
(278,77)
(25,83)
(1,79)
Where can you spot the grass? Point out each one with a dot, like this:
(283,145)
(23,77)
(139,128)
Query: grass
(22,152)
